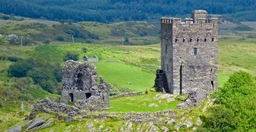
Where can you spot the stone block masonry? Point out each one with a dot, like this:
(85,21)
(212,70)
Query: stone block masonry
(80,86)
(189,54)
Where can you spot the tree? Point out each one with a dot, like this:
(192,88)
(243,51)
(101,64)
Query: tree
(19,69)
(71,56)
(234,108)
(62,21)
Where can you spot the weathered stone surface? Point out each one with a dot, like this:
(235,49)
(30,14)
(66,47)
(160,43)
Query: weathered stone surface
(153,105)
(48,123)
(197,96)
(188,124)
(48,106)
(189,54)
(185,105)
(36,123)
(12,37)
(15,129)
(93,59)
(80,86)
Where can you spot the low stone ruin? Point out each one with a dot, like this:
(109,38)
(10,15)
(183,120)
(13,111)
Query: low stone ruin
(80,86)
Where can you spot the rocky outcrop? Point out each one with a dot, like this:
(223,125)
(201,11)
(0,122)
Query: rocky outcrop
(12,37)
(80,85)
(15,129)
(197,96)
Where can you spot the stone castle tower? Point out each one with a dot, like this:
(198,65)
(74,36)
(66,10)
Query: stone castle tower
(189,54)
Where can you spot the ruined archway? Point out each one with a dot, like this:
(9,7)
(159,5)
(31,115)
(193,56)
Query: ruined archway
(71,95)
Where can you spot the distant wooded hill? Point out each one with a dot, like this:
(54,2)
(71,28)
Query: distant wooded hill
(125,10)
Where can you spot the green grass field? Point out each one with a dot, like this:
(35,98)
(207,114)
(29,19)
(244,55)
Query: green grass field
(140,103)
(125,76)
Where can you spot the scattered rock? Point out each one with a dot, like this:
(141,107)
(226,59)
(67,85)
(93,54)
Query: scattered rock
(47,123)
(12,37)
(171,122)
(153,105)
(36,123)
(197,96)
(185,105)
(188,124)
(199,122)
(15,129)
(170,100)
(165,129)
(93,59)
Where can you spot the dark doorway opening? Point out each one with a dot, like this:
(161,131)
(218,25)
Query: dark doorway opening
(88,95)
(180,79)
(71,95)
(212,84)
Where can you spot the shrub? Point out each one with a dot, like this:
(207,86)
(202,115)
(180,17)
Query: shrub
(71,56)
(19,69)
(1,103)
(84,49)
(239,79)
(60,38)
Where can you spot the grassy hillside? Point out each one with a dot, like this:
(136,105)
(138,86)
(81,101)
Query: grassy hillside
(128,67)
(39,31)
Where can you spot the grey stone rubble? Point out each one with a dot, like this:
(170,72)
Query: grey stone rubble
(51,107)
(12,37)
(93,59)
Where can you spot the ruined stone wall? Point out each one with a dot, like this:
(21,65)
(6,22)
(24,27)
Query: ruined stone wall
(190,52)
(80,85)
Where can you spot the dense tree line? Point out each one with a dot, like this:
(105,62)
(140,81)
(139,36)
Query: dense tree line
(48,76)
(123,10)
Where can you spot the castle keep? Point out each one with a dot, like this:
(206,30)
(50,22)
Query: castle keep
(189,54)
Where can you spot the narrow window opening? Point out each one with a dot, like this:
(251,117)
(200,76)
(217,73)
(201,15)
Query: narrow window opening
(176,40)
(197,40)
(205,40)
(184,39)
(180,79)
(195,51)
(212,39)
(71,95)
(166,48)
(190,40)
(80,81)
(88,95)
(212,84)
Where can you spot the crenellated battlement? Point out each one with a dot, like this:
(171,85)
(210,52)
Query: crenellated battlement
(189,22)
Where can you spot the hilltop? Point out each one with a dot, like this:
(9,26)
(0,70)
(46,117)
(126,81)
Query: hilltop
(124,10)
(41,31)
